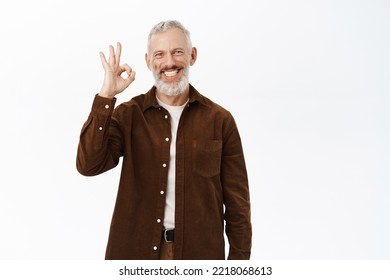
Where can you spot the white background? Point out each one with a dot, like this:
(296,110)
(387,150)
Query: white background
(307,81)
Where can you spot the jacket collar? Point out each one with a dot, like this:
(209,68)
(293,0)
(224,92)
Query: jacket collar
(151,100)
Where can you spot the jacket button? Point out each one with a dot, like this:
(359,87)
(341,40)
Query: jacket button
(158,221)
(155,248)
(164,165)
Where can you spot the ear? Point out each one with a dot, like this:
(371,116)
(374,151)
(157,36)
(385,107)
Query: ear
(147,60)
(194,54)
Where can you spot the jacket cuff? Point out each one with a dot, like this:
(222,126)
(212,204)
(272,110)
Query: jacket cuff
(103,105)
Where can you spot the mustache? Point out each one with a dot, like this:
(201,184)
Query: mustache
(174,67)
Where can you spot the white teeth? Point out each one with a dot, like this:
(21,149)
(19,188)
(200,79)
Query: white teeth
(170,74)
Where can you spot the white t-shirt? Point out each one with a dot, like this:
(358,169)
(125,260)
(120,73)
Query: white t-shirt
(175,113)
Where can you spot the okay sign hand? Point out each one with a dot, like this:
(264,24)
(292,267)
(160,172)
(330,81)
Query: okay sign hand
(114,83)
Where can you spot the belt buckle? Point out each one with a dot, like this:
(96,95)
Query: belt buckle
(165,236)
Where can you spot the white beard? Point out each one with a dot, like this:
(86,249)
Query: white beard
(169,89)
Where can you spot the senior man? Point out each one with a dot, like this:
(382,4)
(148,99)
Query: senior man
(183,171)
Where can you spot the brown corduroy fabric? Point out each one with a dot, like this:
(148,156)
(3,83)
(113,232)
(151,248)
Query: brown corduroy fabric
(166,250)
(211,179)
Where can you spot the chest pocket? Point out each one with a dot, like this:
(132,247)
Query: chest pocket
(206,157)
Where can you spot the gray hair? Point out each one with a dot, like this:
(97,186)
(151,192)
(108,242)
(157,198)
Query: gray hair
(164,26)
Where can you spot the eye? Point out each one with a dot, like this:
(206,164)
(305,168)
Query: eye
(158,55)
(178,52)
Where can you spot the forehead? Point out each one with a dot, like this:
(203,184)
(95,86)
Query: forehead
(170,39)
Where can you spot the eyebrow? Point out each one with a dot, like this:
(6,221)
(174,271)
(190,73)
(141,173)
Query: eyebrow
(153,53)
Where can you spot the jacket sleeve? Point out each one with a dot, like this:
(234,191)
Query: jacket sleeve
(100,145)
(236,194)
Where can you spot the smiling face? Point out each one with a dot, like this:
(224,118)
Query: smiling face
(169,58)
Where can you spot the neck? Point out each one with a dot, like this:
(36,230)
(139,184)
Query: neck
(177,100)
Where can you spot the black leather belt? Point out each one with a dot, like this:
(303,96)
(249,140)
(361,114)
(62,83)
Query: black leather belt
(168,235)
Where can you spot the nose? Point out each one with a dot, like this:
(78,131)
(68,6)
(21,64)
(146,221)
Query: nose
(170,60)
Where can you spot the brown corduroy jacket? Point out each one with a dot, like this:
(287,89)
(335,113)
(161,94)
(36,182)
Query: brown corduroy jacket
(211,179)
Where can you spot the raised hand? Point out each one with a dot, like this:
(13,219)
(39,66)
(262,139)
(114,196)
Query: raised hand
(113,82)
